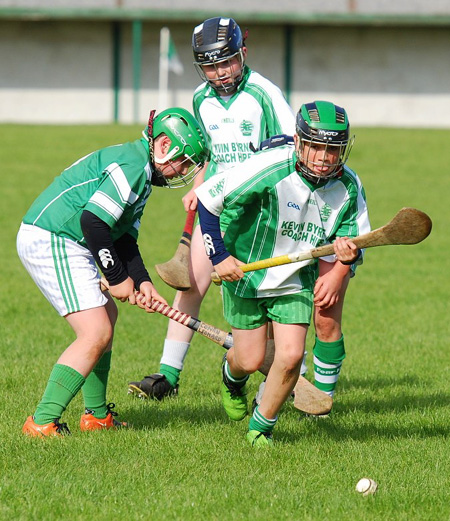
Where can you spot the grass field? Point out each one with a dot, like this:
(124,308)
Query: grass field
(183,459)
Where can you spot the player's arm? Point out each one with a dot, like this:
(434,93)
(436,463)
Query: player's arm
(128,251)
(97,235)
(190,199)
(226,266)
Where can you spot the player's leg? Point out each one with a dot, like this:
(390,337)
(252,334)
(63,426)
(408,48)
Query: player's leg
(290,315)
(268,359)
(280,381)
(93,332)
(244,358)
(66,274)
(329,348)
(178,338)
(99,413)
(248,320)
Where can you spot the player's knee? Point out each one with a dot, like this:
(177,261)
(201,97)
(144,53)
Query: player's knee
(327,330)
(251,364)
(328,333)
(290,358)
(99,339)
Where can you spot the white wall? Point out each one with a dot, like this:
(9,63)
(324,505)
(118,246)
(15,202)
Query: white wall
(61,72)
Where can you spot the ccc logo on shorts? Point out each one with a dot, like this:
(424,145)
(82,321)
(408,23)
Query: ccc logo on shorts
(105,258)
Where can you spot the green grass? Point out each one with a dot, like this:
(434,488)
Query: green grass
(183,459)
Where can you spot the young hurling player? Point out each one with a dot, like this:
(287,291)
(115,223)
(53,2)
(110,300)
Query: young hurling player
(329,293)
(91,214)
(286,199)
(236,107)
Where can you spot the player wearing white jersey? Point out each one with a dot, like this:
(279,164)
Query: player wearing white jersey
(91,214)
(286,200)
(256,110)
(237,108)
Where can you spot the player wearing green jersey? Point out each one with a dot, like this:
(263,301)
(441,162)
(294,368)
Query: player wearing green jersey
(236,107)
(90,215)
(286,199)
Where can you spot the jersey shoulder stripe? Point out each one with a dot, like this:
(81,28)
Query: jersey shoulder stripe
(107,204)
(120,181)
(263,177)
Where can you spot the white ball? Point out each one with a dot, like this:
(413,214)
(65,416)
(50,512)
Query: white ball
(366,486)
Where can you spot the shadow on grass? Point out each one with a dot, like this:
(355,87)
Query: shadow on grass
(383,394)
(366,429)
(149,414)
(379,382)
(406,410)
(387,408)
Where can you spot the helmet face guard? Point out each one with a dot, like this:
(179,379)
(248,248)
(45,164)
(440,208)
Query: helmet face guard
(187,153)
(219,41)
(178,180)
(323,125)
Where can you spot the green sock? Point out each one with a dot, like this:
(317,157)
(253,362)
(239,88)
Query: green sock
(240,382)
(94,389)
(63,384)
(260,423)
(171,373)
(328,357)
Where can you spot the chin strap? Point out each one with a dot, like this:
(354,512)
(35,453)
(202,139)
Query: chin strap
(150,137)
(157,178)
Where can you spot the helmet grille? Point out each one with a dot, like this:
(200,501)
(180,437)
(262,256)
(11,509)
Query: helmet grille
(340,116)
(198,39)
(222,33)
(314,114)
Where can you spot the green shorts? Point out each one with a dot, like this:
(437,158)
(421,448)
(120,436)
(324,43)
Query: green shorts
(250,313)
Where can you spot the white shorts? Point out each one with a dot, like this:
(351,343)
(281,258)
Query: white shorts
(63,270)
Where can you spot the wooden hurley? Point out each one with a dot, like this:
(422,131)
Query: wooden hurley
(175,272)
(408,226)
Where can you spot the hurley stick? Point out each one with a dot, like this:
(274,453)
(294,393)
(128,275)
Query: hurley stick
(408,226)
(213,333)
(175,272)
(314,401)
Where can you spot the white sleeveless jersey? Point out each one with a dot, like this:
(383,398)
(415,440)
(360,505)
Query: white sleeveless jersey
(256,111)
(279,212)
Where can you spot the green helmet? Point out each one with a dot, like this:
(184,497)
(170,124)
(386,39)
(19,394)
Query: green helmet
(323,123)
(187,141)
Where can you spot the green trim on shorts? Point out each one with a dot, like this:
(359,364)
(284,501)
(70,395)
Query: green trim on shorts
(63,273)
(250,313)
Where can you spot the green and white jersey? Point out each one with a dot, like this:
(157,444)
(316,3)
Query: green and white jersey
(256,111)
(279,212)
(113,183)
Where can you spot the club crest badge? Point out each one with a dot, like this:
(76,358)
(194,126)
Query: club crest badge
(325,212)
(246,127)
